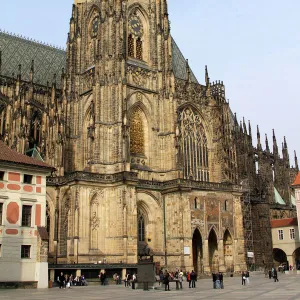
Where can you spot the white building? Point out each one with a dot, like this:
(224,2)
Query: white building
(23,236)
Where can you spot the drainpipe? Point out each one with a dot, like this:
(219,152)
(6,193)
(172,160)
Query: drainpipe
(165,232)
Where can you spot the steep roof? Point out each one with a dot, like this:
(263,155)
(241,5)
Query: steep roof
(8,155)
(284,222)
(297,180)
(20,51)
(179,64)
(49,60)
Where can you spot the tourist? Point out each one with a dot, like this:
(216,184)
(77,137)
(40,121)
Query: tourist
(275,276)
(247,277)
(167,281)
(214,279)
(270,274)
(243,278)
(188,277)
(161,277)
(180,279)
(61,280)
(221,280)
(193,279)
(128,278)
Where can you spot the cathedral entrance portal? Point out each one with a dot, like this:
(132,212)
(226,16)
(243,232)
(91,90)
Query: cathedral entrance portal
(213,251)
(197,252)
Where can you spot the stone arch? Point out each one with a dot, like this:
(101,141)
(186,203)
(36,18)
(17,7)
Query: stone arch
(279,257)
(193,145)
(296,258)
(149,208)
(228,251)
(213,255)
(197,244)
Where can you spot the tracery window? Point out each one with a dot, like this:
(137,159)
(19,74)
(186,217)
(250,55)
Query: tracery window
(137,133)
(193,146)
(35,130)
(135,37)
(141,228)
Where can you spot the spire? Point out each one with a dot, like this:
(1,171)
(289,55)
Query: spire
(285,143)
(31,71)
(244,125)
(207,79)
(258,139)
(249,128)
(275,147)
(296,161)
(267,144)
(188,71)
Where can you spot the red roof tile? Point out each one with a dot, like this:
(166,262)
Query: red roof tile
(284,222)
(297,180)
(12,156)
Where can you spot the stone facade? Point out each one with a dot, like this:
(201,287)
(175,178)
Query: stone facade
(149,161)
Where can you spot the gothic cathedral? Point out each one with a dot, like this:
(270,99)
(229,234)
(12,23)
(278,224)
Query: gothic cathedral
(150,162)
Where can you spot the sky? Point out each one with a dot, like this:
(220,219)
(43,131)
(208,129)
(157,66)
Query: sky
(253,46)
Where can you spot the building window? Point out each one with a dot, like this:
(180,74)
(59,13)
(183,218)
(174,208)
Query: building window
(292,233)
(139,49)
(26,215)
(141,229)
(280,234)
(25,251)
(0,250)
(130,46)
(1,175)
(195,203)
(225,205)
(193,146)
(1,212)
(27,179)
(137,133)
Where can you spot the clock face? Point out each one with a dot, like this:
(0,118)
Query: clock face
(95,26)
(135,26)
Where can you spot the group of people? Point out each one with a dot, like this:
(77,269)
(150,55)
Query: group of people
(66,281)
(218,280)
(177,277)
(245,278)
(273,274)
(130,280)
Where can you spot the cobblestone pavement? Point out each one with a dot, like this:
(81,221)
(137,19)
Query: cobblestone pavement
(288,287)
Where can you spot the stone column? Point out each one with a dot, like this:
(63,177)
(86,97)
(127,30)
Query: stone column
(78,273)
(123,274)
(206,257)
(221,256)
(52,275)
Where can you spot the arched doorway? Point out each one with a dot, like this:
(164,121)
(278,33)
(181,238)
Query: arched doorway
(213,251)
(228,252)
(296,258)
(279,257)
(197,252)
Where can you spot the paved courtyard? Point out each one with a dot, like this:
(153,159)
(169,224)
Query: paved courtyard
(288,287)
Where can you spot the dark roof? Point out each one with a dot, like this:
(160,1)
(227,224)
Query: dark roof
(20,51)
(43,233)
(284,222)
(11,156)
(179,64)
(49,60)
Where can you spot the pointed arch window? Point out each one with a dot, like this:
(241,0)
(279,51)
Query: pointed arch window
(130,46)
(193,146)
(137,133)
(141,228)
(135,37)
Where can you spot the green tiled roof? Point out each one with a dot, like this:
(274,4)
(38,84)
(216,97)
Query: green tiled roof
(179,64)
(278,198)
(20,51)
(49,60)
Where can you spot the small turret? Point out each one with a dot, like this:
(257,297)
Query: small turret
(275,147)
(267,144)
(258,139)
(249,129)
(207,79)
(244,126)
(296,161)
(188,71)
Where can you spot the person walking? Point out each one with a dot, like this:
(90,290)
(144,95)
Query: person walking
(275,276)
(188,277)
(214,279)
(180,279)
(193,279)
(167,281)
(247,277)
(221,280)
(243,278)
(61,280)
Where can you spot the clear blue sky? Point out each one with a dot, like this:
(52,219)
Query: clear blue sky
(253,46)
